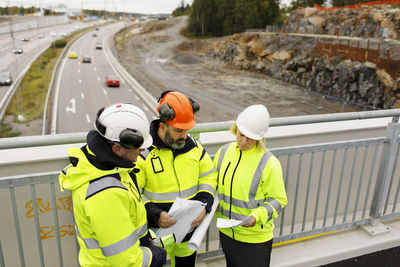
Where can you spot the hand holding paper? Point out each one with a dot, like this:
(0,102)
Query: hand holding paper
(228,223)
(165,220)
(184,212)
(199,219)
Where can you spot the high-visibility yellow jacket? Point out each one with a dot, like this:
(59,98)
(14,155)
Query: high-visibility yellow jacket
(109,214)
(166,174)
(249,183)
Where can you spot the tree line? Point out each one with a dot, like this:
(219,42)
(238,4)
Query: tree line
(225,17)
(12,10)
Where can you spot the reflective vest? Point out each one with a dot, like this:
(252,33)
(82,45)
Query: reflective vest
(164,176)
(249,183)
(109,214)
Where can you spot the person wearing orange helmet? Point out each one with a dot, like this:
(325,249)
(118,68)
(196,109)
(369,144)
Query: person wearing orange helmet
(174,166)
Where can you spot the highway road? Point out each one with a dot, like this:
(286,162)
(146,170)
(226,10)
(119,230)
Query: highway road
(81,89)
(39,40)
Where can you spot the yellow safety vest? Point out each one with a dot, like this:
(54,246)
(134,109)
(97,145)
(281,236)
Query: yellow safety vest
(249,183)
(164,177)
(109,214)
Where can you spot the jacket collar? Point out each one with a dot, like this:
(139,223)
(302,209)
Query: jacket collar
(100,154)
(159,144)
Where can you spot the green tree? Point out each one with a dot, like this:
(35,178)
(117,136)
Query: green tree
(201,19)
(224,17)
(181,10)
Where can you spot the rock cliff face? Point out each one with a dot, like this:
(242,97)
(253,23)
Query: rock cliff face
(366,22)
(359,61)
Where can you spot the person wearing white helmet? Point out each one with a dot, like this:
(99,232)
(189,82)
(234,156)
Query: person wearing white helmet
(110,217)
(250,188)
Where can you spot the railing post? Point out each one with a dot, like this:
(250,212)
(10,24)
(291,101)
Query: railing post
(385,169)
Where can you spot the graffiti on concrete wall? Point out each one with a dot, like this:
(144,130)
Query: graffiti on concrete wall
(44,207)
(63,203)
(50,231)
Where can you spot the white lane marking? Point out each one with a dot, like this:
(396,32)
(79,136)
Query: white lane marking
(80,80)
(145,107)
(57,92)
(88,118)
(130,90)
(83,95)
(72,108)
(98,78)
(104,91)
(95,69)
(79,70)
(137,98)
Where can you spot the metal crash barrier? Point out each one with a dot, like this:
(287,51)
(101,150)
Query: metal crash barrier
(330,186)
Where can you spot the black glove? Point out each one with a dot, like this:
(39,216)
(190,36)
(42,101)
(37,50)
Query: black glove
(159,256)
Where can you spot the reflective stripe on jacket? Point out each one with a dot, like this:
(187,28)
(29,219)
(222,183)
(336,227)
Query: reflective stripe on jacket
(249,183)
(109,214)
(164,177)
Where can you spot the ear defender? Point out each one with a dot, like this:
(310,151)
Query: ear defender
(100,127)
(131,138)
(195,105)
(166,112)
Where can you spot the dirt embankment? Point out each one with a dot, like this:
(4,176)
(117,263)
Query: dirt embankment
(360,63)
(165,60)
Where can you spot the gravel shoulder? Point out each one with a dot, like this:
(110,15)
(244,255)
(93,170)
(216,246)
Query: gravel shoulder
(155,60)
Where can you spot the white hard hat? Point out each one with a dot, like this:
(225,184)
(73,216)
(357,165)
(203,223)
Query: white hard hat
(126,124)
(253,122)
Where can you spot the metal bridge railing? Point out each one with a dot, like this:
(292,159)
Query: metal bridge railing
(330,186)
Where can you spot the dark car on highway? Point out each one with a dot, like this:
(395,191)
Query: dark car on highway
(86,59)
(99,46)
(112,81)
(18,50)
(5,78)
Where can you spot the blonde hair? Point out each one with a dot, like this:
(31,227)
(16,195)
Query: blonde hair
(260,143)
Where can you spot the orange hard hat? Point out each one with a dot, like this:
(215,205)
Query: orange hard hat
(177,110)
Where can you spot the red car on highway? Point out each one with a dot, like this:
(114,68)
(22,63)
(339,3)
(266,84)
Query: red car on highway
(112,81)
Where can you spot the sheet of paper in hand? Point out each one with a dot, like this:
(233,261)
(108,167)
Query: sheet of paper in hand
(226,223)
(184,211)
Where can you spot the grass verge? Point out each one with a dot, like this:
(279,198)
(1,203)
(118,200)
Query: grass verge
(7,131)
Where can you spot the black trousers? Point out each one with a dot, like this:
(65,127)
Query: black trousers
(189,261)
(240,254)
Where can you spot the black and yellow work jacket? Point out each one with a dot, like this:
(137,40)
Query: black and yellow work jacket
(249,183)
(109,213)
(166,174)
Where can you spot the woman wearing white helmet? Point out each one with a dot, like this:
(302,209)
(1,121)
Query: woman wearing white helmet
(109,213)
(251,188)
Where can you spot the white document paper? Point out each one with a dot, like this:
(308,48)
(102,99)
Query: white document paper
(198,235)
(184,211)
(228,223)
